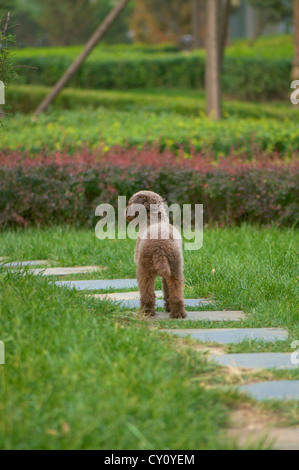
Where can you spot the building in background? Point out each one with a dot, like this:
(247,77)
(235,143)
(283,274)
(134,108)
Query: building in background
(244,21)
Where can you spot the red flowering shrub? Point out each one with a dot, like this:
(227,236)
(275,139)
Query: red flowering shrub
(64,189)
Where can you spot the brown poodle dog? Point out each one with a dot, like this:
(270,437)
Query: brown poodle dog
(158,252)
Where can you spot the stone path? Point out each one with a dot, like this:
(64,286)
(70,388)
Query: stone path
(67,271)
(131,300)
(100,284)
(271,390)
(231,335)
(125,295)
(204,316)
(20,264)
(135,304)
(256,361)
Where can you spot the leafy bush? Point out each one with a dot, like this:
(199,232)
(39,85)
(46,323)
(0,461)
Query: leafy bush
(63,189)
(248,73)
(125,73)
(256,78)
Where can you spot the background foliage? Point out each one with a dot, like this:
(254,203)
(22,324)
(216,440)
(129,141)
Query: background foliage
(58,189)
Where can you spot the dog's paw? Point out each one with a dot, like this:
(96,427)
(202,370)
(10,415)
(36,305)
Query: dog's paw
(147,312)
(177,315)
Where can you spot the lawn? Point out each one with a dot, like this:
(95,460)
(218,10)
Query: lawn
(85,374)
(246,268)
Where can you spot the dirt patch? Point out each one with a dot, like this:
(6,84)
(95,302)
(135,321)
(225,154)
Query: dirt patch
(182,343)
(251,426)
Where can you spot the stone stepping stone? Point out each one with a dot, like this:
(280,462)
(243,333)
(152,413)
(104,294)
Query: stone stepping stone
(233,335)
(135,304)
(257,360)
(123,296)
(20,264)
(99,284)
(274,390)
(66,271)
(204,316)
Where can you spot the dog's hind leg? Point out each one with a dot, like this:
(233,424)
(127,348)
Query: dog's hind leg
(166,295)
(176,297)
(146,284)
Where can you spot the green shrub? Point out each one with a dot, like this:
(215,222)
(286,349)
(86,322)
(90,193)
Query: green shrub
(254,78)
(104,127)
(61,189)
(243,77)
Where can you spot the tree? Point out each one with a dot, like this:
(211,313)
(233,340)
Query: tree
(67,21)
(270,11)
(7,42)
(198,23)
(224,14)
(25,16)
(153,21)
(212,60)
(295,71)
(91,44)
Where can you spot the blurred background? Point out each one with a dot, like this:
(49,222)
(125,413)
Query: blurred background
(197,84)
(68,22)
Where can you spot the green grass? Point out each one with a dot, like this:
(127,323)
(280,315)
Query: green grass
(58,129)
(101,52)
(247,268)
(85,374)
(269,47)
(76,379)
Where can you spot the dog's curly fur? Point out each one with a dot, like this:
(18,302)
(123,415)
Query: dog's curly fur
(158,254)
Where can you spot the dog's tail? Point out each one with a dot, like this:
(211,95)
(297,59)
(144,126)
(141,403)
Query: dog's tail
(161,264)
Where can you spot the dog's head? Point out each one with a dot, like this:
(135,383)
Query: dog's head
(147,199)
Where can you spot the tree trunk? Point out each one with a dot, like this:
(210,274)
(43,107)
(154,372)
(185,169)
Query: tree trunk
(295,71)
(224,29)
(91,44)
(198,23)
(212,60)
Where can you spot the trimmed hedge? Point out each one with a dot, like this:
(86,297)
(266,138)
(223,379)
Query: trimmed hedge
(242,77)
(26,98)
(66,190)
